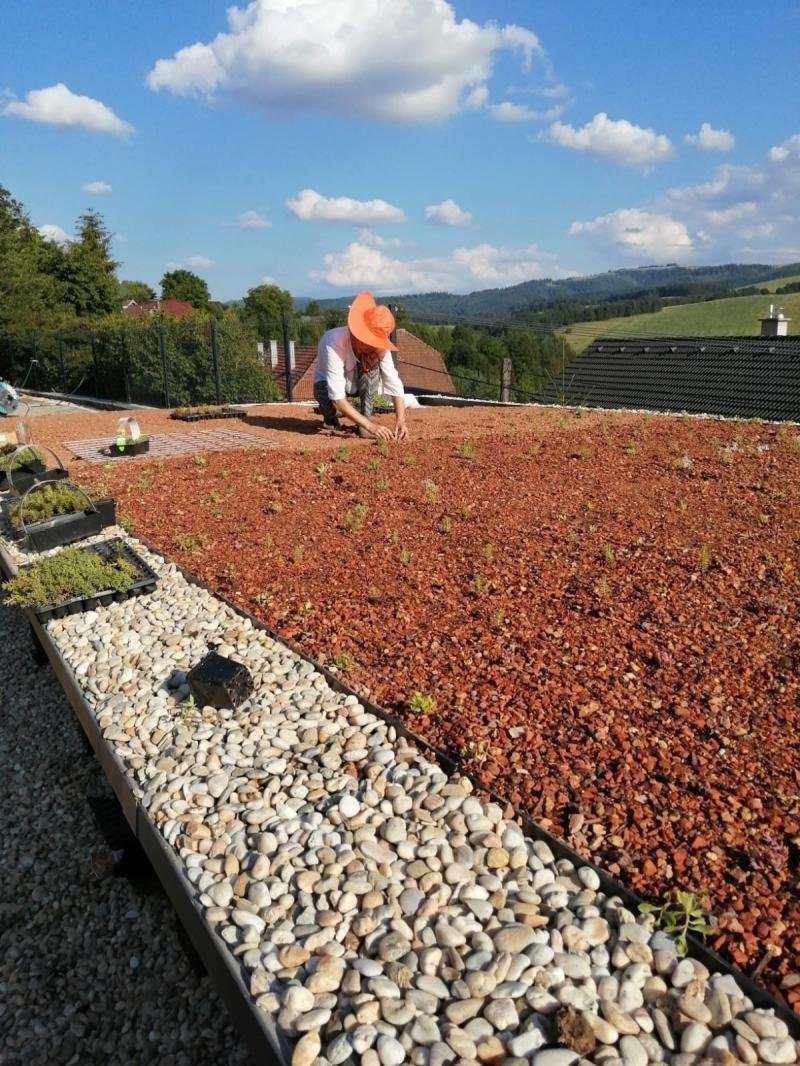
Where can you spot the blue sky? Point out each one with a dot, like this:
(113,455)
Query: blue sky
(334,145)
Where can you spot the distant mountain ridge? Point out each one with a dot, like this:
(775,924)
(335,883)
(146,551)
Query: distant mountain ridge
(484,303)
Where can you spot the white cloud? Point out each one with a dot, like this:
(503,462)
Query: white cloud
(411,61)
(618,141)
(55,234)
(97,188)
(199,262)
(311,206)
(268,280)
(707,139)
(59,106)
(647,236)
(510,112)
(253,220)
(362,265)
(722,216)
(753,233)
(447,213)
(781,152)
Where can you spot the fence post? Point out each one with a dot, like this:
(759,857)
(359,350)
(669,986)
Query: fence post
(505,381)
(61,363)
(286,360)
(123,343)
(215,360)
(162,350)
(34,361)
(94,365)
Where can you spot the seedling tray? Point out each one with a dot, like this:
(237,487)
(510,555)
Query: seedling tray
(21,480)
(68,528)
(146,581)
(32,467)
(206,418)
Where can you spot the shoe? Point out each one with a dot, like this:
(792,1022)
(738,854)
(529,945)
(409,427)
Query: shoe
(363,432)
(331,423)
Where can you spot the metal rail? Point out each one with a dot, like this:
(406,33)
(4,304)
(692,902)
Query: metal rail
(256,1027)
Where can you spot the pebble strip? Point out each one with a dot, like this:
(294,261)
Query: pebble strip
(381,913)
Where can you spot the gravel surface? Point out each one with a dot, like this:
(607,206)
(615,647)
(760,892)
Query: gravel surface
(380,912)
(91,970)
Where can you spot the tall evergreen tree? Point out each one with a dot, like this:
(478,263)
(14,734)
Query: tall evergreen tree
(90,282)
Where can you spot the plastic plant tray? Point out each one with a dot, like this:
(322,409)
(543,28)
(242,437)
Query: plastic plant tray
(135,447)
(33,466)
(146,581)
(206,418)
(22,480)
(65,529)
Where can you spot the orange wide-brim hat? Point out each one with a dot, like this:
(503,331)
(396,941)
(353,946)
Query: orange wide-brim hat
(371,323)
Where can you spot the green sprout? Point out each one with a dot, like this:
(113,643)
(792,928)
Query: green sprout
(405,556)
(421,703)
(343,454)
(679,914)
(431,490)
(467,450)
(704,557)
(343,660)
(446,525)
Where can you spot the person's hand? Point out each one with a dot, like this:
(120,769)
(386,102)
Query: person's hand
(401,431)
(380,431)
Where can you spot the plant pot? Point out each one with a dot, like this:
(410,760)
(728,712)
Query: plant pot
(33,466)
(219,682)
(146,581)
(134,447)
(68,528)
(22,480)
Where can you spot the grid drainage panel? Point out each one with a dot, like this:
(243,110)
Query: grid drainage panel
(165,445)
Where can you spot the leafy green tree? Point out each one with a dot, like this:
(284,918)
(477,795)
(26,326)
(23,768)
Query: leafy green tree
(313,308)
(264,308)
(89,272)
(139,291)
(184,285)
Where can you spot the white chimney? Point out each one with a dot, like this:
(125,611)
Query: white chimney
(775,324)
(273,354)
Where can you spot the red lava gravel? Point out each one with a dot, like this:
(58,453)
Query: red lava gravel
(604,608)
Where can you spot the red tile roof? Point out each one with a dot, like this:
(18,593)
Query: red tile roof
(174,308)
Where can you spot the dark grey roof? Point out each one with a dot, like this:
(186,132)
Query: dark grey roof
(745,377)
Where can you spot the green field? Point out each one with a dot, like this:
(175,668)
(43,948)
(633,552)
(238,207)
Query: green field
(776,282)
(738,316)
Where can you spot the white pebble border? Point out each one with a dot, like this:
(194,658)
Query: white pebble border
(381,913)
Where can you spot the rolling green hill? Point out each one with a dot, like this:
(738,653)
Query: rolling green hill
(738,316)
(776,283)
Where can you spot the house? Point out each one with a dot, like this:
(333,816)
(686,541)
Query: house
(740,377)
(421,368)
(173,308)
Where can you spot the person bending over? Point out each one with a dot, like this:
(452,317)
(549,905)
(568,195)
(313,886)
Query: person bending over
(353,360)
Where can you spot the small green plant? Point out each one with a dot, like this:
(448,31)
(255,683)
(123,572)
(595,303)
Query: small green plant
(297,553)
(354,519)
(478,584)
(190,542)
(374,465)
(383,448)
(474,751)
(46,502)
(343,660)
(394,537)
(431,490)
(725,456)
(199,460)
(683,462)
(342,454)
(681,913)
(421,703)
(573,536)
(215,496)
(14,460)
(322,469)
(466,510)
(261,598)
(704,557)
(631,448)
(260,478)
(69,574)
(446,525)
(609,554)
(603,587)
(498,618)
(126,521)
(381,486)
(467,450)
(488,552)
(405,556)
(408,460)
(268,542)
(373,594)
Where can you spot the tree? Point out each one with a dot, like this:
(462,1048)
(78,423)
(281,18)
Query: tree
(89,272)
(313,308)
(184,285)
(264,308)
(139,291)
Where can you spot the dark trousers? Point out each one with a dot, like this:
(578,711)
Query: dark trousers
(368,383)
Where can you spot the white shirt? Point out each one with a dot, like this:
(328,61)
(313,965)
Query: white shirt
(337,366)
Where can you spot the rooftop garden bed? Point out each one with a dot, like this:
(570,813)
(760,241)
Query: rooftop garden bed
(597,614)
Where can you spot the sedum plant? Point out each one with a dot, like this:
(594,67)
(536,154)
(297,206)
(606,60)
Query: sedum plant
(46,502)
(69,574)
(421,703)
(680,913)
(14,460)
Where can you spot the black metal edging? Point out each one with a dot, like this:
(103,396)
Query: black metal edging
(698,950)
(254,1025)
(262,1036)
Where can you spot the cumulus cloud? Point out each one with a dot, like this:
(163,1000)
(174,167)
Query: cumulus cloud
(199,262)
(615,140)
(311,206)
(447,213)
(511,112)
(407,62)
(59,106)
(253,220)
(781,152)
(363,265)
(97,188)
(647,236)
(56,234)
(707,139)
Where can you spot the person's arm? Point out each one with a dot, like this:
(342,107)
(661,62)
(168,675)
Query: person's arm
(344,407)
(393,387)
